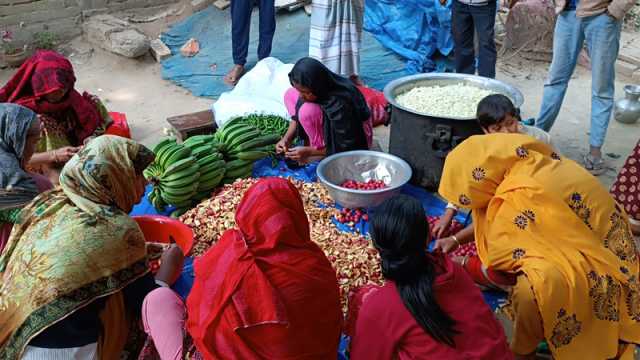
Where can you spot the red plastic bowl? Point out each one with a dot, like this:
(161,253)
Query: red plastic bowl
(159,229)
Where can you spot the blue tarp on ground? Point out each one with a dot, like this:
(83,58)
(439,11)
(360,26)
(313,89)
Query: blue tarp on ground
(408,34)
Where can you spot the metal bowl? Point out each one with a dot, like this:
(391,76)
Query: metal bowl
(404,84)
(363,165)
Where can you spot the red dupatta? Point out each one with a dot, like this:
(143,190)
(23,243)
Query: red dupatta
(266,290)
(45,72)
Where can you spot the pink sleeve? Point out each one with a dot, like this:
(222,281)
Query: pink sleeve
(290,99)
(371,341)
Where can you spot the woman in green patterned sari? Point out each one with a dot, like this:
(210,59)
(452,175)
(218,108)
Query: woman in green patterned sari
(74,272)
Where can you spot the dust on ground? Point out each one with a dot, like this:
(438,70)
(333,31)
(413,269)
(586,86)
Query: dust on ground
(136,88)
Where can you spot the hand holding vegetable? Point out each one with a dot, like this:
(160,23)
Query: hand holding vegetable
(447,244)
(170,265)
(63,154)
(443,223)
(282,146)
(300,154)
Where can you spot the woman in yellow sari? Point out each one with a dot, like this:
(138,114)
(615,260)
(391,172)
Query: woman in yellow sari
(76,268)
(546,219)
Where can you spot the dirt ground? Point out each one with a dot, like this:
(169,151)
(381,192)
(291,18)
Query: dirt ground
(135,87)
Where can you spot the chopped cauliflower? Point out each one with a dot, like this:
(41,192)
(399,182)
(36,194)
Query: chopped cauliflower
(448,101)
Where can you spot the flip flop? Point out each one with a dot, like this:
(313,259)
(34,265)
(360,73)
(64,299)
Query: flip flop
(595,166)
(232,79)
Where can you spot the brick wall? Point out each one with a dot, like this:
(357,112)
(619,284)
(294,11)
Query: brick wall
(61,17)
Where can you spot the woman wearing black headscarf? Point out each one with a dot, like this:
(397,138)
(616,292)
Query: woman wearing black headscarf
(329,113)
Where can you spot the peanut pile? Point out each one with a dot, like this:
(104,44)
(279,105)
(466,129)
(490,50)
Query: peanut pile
(353,257)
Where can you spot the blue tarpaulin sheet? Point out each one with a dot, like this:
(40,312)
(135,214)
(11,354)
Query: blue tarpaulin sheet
(417,30)
(401,38)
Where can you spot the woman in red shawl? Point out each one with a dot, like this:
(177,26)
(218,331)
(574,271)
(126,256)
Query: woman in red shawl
(44,84)
(626,189)
(264,291)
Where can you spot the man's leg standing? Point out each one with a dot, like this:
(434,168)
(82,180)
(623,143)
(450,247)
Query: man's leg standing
(602,34)
(240,27)
(267,27)
(462,30)
(484,19)
(567,43)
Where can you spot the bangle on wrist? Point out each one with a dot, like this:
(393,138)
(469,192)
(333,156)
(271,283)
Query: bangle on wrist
(455,238)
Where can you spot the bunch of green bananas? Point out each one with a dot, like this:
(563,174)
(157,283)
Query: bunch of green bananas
(182,173)
(242,145)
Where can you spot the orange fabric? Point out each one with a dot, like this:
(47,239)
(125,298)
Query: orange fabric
(266,290)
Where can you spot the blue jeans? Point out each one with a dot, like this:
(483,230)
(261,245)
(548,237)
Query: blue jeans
(241,25)
(602,35)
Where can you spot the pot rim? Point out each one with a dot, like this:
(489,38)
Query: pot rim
(632,89)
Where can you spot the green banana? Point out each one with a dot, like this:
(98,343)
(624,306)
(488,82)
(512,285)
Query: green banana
(235,164)
(161,159)
(243,137)
(197,140)
(213,165)
(204,177)
(252,155)
(210,159)
(178,155)
(177,201)
(152,171)
(185,174)
(240,171)
(202,151)
(177,192)
(179,165)
(162,144)
(257,142)
(210,185)
(204,194)
(235,130)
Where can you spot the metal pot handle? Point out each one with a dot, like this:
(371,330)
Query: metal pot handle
(441,142)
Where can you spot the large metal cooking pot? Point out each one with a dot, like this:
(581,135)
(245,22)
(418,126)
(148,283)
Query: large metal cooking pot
(424,140)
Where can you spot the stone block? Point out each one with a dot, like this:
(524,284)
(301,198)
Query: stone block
(222,4)
(159,50)
(625,68)
(199,5)
(116,35)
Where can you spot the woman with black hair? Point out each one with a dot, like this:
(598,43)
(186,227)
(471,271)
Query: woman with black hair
(429,307)
(328,112)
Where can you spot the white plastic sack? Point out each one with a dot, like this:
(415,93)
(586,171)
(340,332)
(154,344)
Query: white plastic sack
(261,90)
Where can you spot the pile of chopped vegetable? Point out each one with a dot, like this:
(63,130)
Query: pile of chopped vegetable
(448,101)
(352,256)
(360,185)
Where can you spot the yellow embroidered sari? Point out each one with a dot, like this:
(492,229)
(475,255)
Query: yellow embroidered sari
(545,216)
(76,244)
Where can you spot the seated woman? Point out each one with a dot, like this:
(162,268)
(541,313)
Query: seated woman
(74,273)
(626,189)
(547,220)
(329,113)
(19,134)
(429,308)
(44,84)
(264,291)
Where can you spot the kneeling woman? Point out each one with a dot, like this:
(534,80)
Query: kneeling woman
(74,272)
(329,113)
(429,308)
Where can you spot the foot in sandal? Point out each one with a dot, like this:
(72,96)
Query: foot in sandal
(234,75)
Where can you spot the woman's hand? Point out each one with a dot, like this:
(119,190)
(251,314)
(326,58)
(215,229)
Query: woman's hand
(282,146)
(63,154)
(446,245)
(170,265)
(443,224)
(300,154)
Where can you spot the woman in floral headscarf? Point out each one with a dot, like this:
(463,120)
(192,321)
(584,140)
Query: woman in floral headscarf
(45,84)
(19,134)
(76,267)
(547,220)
